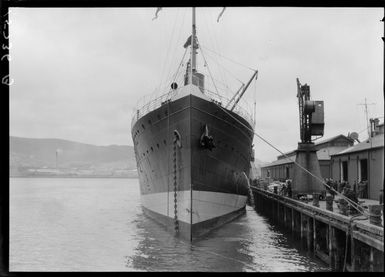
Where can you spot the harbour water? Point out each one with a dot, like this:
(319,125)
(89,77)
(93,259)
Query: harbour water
(68,224)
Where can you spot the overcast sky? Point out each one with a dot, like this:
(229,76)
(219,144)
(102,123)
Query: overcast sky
(78,73)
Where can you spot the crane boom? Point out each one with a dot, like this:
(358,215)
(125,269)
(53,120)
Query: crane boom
(232,98)
(244,89)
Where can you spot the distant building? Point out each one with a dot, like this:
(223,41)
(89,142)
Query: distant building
(45,170)
(283,168)
(85,172)
(363,162)
(121,172)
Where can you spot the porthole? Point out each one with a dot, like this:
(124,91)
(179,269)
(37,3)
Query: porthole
(157,145)
(143,127)
(152,149)
(164,141)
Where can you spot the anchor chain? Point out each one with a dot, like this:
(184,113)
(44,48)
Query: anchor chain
(176,143)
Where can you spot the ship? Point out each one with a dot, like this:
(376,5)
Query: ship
(193,152)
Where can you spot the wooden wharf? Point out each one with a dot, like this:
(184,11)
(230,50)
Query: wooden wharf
(345,243)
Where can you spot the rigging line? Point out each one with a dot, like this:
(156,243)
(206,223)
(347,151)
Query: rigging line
(356,206)
(176,44)
(220,82)
(366,128)
(180,64)
(168,50)
(178,71)
(208,68)
(217,45)
(219,65)
(177,77)
(230,59)
(255,103)
(212,40)
(175,47)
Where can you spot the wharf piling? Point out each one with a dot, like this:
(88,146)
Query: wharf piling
(341,241)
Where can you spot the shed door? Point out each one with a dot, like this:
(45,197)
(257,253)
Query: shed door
(363,170)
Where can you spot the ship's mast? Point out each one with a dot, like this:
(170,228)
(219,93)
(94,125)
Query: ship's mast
(193,54)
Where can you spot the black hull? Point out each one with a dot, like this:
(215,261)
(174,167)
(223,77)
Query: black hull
(211,184)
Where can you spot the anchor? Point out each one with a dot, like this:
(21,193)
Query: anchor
(207,141)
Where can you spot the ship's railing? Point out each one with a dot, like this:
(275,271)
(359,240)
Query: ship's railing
(151,105)
(224,101)
(155,103)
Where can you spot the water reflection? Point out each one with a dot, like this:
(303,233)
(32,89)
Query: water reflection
(250,243)
(98,225)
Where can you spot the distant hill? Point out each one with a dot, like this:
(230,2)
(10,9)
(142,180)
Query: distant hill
(37,153)
(32,153)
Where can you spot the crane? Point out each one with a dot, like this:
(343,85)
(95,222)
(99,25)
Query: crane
(311,114)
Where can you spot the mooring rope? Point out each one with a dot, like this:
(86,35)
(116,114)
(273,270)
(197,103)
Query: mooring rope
(356,206)
(349,232)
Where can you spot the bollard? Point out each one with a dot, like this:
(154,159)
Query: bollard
(343,206)
(329,202)
(316,199)
(375,214)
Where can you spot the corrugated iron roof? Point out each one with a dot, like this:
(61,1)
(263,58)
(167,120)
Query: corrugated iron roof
(318,143)
(322,154)
(370,143)
(333,138)
(325,153)
(281,161)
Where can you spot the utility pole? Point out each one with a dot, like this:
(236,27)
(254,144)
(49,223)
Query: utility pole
(366,113)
